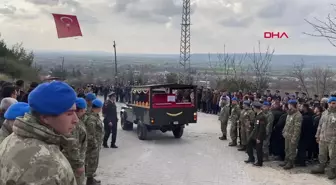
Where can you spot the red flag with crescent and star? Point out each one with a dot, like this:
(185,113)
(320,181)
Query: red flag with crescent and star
(67,25)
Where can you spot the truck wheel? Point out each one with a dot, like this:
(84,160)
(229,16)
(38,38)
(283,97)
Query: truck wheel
(125,125)
(178,132)
(142,131)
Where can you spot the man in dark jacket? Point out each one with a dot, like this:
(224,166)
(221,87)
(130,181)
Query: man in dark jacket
(306,134)
(278,142)
(257,136)
(110,120)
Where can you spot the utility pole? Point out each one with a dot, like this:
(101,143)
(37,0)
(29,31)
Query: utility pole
(115,63)
(62,67)
(184,62)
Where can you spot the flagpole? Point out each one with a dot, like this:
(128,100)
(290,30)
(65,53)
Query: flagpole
(115,63)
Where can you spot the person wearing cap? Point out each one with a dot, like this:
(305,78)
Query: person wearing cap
(95,132)
(291,133)
(325,136)
(38,136)
(269,128)
(110,120)
(257,136)
(76,153)
(89,97)
(224,117)
(234,117)
(15,110)
(247,116)
(5,103)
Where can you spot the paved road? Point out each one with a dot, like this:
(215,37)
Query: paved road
(198,158)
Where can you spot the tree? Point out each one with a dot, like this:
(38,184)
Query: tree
(171,78)
(322,80)
(325,29)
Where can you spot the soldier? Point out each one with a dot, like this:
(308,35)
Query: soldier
(234,118)
(14,111)
(257,136)
(110,120)
(224,117)
(5,103)
(89,97)
(37,137)
(95,132)
(325,136)
(291,133)
(76,153)
(269,128)
(247,116)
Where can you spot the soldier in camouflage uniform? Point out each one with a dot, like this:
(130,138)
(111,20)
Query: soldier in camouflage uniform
(76,153)
(269,129)
(14,111)
(95,133)
(224,117)
(326,137)
(247,116)
(89,97)
(31,154)
(234,118)
(291,133)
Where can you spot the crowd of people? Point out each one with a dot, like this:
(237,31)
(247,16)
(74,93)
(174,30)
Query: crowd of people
(293,129)
(58,130)
(51,136)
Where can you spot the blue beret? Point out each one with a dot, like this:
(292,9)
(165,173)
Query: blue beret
(97,103)
(234,99)
(52,98)
(267,103)
(81,103)
(292,102)
(247,103)
(331,99)
(90,96)
(16,110)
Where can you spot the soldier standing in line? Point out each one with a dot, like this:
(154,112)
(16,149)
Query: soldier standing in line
(224,117)
(34,145)
(110,120)
(325,136)
(89,97)
(247,117)
(291,133)
(95,132)
(234,118)
(257,136)
(76,153)
(269,129)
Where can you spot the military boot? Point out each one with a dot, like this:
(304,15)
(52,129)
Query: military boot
(242,148)
(233,143)
(332,173)
(223,137)
(319,169)
(288,166)
(91,181)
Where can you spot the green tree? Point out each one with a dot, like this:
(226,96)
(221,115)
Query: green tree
(171,78)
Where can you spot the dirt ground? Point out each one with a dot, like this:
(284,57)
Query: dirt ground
(198,158)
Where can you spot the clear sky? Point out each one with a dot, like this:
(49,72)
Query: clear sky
(153,26)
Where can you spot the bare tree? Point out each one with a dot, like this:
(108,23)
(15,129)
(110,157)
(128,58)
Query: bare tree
(322,79)
(325,28)
(261,66)
(221,68)
(300,75)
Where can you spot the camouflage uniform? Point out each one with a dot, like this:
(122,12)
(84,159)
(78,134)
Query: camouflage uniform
(326,133)
(234,124)
(76,153)
(247,117)
(291,133)
(95,133)
(269,129)
(31,155)
(6,129)
(224,118)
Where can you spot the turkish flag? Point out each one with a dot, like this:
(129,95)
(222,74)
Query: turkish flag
(67,25)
